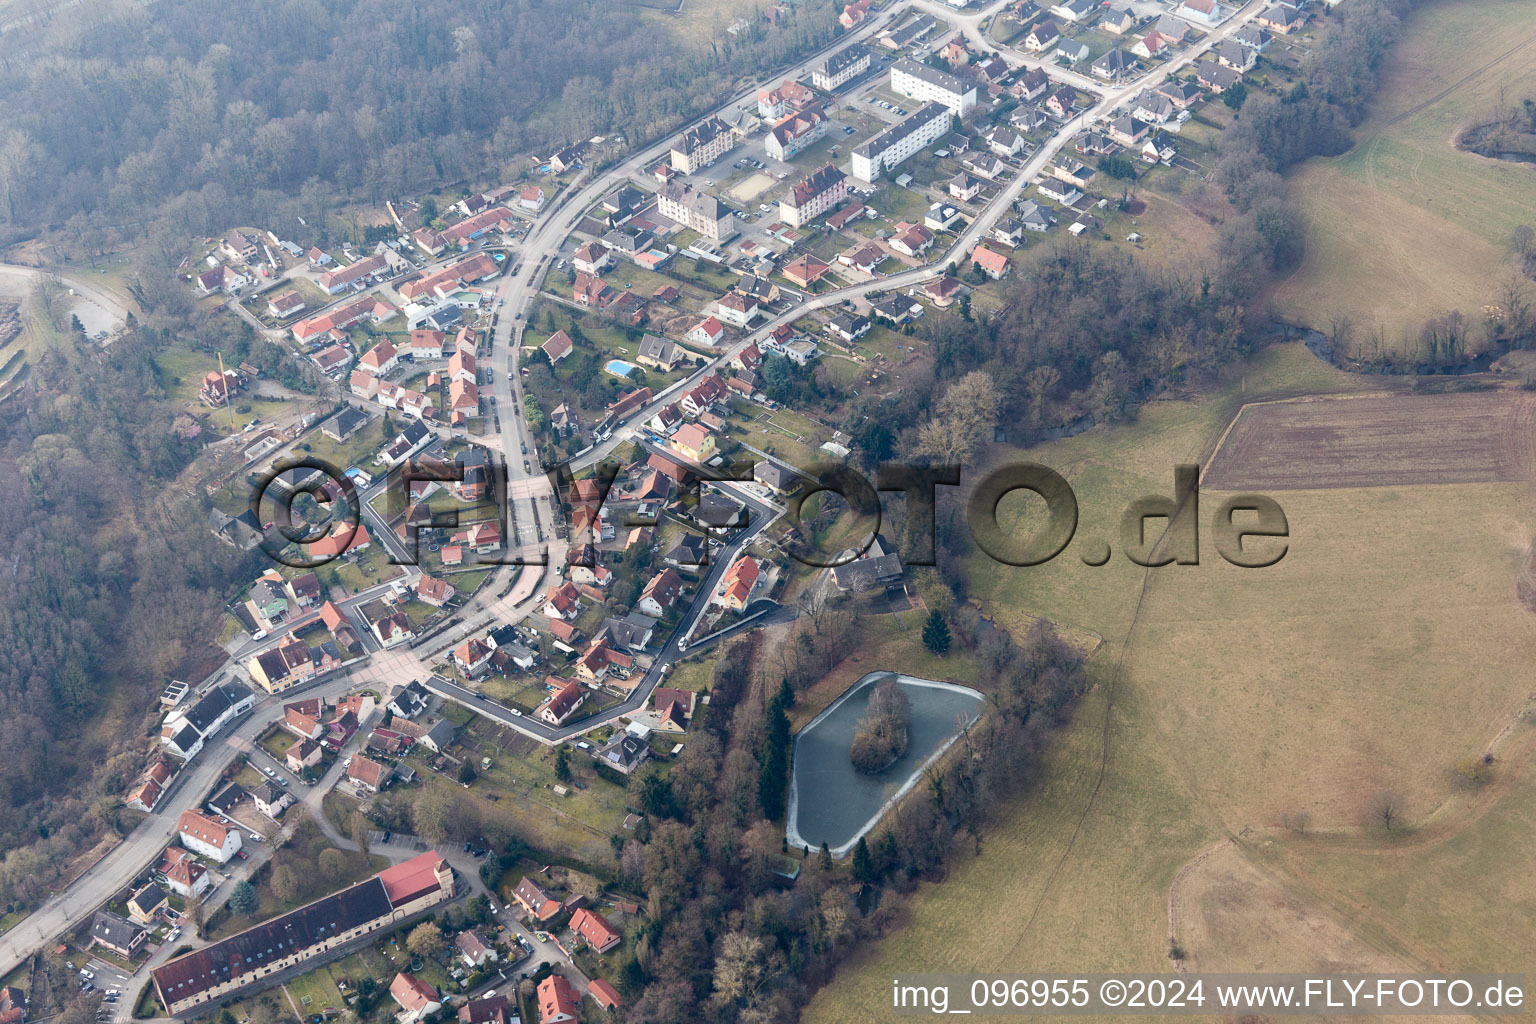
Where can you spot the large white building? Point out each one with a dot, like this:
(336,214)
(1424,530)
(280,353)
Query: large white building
(921,82)
(915,133)
(186,729)
(208,837)
(795,132)
(697,210)
(702,145)
(842,67)
(821,190)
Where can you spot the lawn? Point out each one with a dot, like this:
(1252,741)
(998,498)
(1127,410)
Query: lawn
(1230,701)
(1404,226)
(518,790)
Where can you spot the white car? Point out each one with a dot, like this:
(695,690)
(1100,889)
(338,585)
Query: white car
(516,713)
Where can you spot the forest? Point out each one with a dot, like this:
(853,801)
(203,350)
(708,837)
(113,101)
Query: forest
(124,118)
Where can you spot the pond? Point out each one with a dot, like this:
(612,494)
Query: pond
(829,801)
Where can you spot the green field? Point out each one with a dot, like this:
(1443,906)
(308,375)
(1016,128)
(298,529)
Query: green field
(1230,703)
(1405,226)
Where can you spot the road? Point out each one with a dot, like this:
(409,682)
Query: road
(97,308)
(529,491)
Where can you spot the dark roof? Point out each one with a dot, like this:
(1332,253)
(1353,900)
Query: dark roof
(186,738)
(624,751)
(245,953)
(218,700)
(148,898)
(441,734)
(113,930)
(345,422)
(227,798)
(689,550)
(478,1011)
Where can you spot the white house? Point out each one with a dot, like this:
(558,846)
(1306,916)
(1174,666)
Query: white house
(208,837)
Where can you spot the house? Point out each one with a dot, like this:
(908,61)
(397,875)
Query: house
(993,264)
(911,239)
(1204,12)
(909,33)
(473,657)
(531,197)
(897,309)
(184,874)
(433,591)
(271,799)
(736,309)
(367,774)
(557,347)
(285,665)
(475,950)
(563,704)
(1060,191)
(285,304)
(1031,85)
(863,258)
(1281,18)
(708,331)
(207,836)
(592,258)
(1215,77)
(344,424)
(390,628)
(1074,10)
(593,291)
(964,187)
(1035,217)
(1005,142)
(1041,36)
(1071,52)
(1233,54)
(1153,44)
(804,270)
(693,442)
(238,246)
(658,353)
(1253,37)
(303,754)
(1153,108)
(1172,29)
(1062,102)
(878,566)
(558,1000)
(117,934)
(1181,94)
(563,602)
(146,903)
(988,165)
(416,998)
(660,593)
(409,701)
(489,1010)
(943,291)
(379,360)
(218,387)
(1072,171)
(595,929)
(440,737)
(848,326)
(1119,21)
(534,900)
(853,14)
(690,550)
(1115,66)
(1009,231)
(673,707)
(633,632)
(740,583)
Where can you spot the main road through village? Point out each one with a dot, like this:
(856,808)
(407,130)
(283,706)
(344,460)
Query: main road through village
(514,592)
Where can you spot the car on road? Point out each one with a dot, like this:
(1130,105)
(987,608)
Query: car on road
(516,713)
(347,763)
(518,315)
(388,836)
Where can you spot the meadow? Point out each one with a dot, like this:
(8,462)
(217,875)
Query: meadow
(1216,793)
(1405,226)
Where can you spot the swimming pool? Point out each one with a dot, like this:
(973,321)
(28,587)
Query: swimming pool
(619,368)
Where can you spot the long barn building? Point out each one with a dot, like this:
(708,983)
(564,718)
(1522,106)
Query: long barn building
(231,965)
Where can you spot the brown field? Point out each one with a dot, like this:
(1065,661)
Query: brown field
(1379,441)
